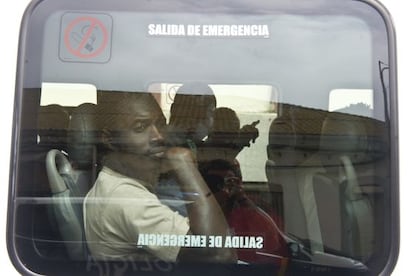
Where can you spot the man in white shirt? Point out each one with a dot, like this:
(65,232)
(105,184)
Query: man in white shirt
(121,205)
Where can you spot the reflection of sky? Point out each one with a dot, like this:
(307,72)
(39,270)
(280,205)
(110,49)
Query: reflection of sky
(305,58)
(339,99)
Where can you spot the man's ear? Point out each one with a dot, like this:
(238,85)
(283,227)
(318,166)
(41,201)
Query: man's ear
(108,139)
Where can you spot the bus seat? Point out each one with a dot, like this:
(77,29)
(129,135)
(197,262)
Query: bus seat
(343,147)
(82,142)
(71,176)
(293,164)
(67,204)
(281,174)
(51,131)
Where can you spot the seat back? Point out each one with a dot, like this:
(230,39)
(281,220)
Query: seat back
(292,142)
(281,175)
(67,198)
(343,153)
(70,177)
(82,142)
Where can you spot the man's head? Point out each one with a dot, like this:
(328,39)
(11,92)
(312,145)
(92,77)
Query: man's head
(133,126)
(226,126)
(223,179)
(192,111)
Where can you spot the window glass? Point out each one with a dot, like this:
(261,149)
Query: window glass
(252,103)
(67,94)
(353,101)
(169,137)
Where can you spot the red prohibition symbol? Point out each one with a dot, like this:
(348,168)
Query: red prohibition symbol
(80,37)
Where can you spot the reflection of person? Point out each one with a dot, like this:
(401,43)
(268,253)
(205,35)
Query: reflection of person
(191,115)
(190,121)
(226,129)
(243,216)
(226,139)
(121,205)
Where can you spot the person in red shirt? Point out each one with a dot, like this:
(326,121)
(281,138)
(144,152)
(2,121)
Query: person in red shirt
(243,216)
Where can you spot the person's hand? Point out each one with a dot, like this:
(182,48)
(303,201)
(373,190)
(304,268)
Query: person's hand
(247,134)
(177,158)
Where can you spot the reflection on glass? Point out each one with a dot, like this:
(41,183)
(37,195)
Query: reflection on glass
(231,148)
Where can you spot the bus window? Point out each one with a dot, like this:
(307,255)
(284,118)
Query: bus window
(67,94)
(169,137)
(254,103)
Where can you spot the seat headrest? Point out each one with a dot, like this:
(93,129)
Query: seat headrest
(298,127)
(282,149)
(282,134)
(343,134)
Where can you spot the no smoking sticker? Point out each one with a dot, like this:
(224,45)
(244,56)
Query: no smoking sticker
(85,37)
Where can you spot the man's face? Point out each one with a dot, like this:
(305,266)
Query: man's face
(231,183)
(205,124)
(140,130)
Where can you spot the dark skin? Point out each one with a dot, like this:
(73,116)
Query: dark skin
(138,151)
(232,193)
(229,144)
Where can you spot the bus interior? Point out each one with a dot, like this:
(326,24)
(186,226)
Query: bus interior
(315,80)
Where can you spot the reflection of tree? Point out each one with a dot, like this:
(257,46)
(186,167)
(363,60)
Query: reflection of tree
(360,109)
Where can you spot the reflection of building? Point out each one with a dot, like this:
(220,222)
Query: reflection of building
(302,126)
(360,109)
